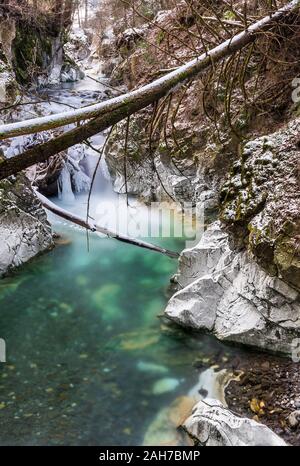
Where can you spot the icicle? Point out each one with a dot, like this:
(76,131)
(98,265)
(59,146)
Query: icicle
(104,169)
(65,192)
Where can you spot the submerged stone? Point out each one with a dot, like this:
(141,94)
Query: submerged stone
(165,385)
(151,368)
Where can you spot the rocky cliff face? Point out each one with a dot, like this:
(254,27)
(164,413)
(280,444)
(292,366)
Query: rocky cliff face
(260,203)
(244,286)
(37,54)
(39,57)
(24,229)
(152,177)
(8,84)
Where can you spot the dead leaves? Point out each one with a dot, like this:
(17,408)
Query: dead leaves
(257,406)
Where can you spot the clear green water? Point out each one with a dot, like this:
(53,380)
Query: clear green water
(80,327)
(89,361)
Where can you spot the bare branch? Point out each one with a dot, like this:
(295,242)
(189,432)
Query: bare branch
(93,227)
(156,89)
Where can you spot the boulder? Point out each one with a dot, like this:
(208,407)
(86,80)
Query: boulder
(213,425)
(8,85)
(24,229)
(128,38)
(78,47)
(260,203)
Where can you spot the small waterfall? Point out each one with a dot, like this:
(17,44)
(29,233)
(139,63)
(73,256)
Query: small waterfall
(65,192)
(104,170)
(103,182)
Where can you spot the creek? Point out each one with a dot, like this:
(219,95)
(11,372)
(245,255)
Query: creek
(90,361)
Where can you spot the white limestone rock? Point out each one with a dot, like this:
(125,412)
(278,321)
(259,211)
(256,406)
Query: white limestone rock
(78,47)
(231,296)
(260,202)
(8,84)
(24,229)
(213,425)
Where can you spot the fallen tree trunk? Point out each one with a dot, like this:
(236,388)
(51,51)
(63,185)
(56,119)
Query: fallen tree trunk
(94,228)
(156,89)
(114,110)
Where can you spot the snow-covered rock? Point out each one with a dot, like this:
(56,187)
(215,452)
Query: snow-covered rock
(230,295)
(213,425)
(78,46)
(70,71)
(129,37)
(24,229)
(8,84)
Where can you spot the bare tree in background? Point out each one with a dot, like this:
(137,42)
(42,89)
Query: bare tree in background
(60,11)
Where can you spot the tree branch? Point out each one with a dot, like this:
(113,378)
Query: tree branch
(93,227)
(156,89)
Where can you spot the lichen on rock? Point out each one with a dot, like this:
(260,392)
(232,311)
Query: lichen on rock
(260,203)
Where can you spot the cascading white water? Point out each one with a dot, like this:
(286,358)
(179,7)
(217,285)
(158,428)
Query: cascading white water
(104,170)
(65,192)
